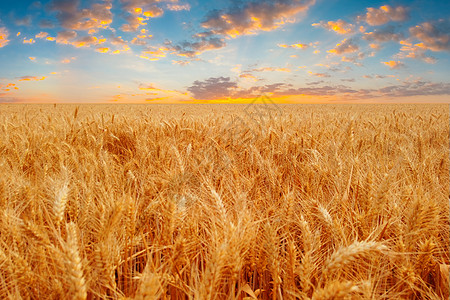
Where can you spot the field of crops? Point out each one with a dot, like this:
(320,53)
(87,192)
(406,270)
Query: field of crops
(224,201)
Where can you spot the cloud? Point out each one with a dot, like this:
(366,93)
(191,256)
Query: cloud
(383,35)
(86,41)
(65,37)
(353,59)
(339,26)
(139,11)
(346,46)
(68,60)
(46,24)
(248,76)
(154,53)
(408,50)
(41,35)
(178,7)
(102,49)
(32,78)
(3,37)
(413,88)
(28,41)
(213,88)
(393,64)
(325,75)
(384,14)
(269,69)
(434,36)
(97,16)
(181,62)
(32,58)
(201,44)
(152,92)
(253,17)
(25,21)
(295,46)
(7,88)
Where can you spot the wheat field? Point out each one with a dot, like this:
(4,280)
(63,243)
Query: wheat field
(224,201)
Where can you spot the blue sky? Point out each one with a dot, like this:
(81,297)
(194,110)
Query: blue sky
(149,51)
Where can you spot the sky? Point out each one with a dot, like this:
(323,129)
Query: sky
(197,51)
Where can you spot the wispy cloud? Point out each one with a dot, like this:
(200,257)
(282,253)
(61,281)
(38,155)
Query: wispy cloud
(393,64)
(32,78)
(325,75)
(178,7)
(295,46)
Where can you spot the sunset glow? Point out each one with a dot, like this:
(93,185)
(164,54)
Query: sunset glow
(173,51)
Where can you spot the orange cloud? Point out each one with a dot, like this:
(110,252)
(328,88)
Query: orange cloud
(139,15)
(29,41)
(32,58)
(248,76)
(393,64)
(325,75)
(154,53)
(417,51)
(41,35)
(181,62)
(297,46)
(68,60)
(49,38)
(32,78)
(102,49)
(384,14)
(3,37)
(339,26)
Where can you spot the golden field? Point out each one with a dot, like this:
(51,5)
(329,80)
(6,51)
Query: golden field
(224,201)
